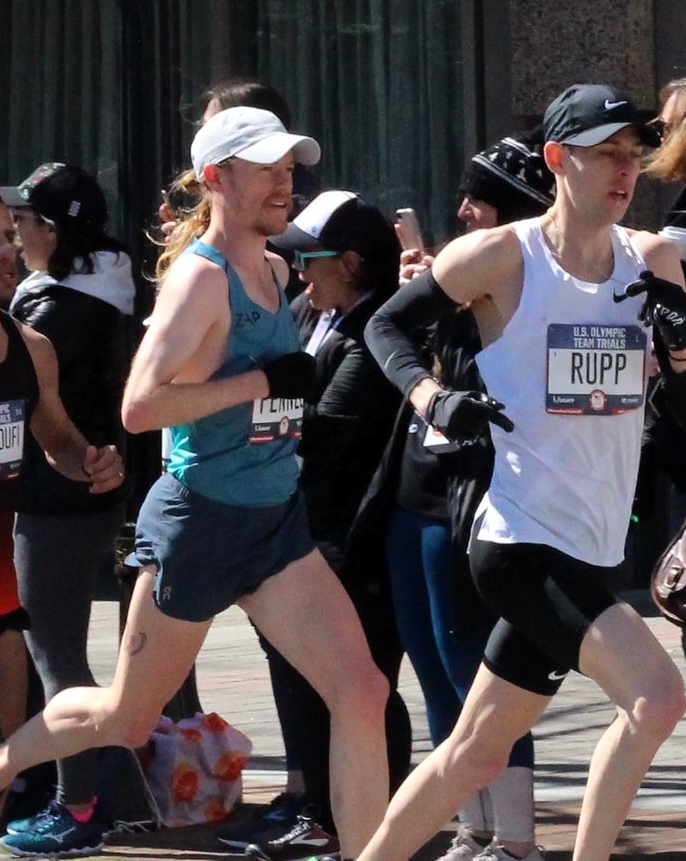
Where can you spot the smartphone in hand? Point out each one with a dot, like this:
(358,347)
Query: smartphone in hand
(408,230)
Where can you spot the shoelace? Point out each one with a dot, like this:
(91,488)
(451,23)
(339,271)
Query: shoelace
(300,827)
(47,818)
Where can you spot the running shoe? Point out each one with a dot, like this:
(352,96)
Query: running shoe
(305,840)
(497,853)
(335,857)
(56,834)
(267,823)
(463,847)
(18,826)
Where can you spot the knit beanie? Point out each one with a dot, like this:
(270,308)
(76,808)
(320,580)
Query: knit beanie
(511,177)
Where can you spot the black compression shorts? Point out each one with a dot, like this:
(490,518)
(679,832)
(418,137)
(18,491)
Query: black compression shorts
(546,601)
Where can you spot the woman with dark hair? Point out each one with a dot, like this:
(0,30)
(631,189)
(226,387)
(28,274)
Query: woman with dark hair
(79,294)
(346,252)
(233,92)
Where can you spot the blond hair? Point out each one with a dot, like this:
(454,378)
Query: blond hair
(191,223)
(668,161)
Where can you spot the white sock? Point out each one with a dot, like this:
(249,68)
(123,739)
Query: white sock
(477,812)
(512,795)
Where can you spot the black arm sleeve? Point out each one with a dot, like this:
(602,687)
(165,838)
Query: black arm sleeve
(673,382)
(388,333)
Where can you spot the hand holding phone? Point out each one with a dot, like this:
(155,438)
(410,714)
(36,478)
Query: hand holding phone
(408,231)
(166,213)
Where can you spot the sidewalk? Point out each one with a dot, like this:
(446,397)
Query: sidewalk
(233,681)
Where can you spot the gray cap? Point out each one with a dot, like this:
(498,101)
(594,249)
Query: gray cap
(251,134)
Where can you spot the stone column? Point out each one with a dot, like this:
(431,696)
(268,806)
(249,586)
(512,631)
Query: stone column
(588,41)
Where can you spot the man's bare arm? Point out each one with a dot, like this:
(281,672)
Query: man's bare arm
(182,347)
(479,264)
(65,447)
(660,256)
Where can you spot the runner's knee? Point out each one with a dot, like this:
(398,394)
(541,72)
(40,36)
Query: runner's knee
(124,723)
(364,691)
(658,712)
(474,761)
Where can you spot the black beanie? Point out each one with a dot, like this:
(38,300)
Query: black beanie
(512,178)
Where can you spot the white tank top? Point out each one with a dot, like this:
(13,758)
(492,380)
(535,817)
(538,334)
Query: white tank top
(570,367)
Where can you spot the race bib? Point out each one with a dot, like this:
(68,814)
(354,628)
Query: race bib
(276,419)
(595,370)
(12,421)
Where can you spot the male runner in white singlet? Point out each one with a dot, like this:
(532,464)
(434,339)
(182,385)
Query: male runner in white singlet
(565,352)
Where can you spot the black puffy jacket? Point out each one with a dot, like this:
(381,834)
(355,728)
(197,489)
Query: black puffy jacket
(91,339)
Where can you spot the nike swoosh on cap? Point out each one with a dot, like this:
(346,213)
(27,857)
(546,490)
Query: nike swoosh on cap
(555,676)
(610,105)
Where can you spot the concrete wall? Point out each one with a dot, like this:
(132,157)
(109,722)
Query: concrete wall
(533,50)
(557,44)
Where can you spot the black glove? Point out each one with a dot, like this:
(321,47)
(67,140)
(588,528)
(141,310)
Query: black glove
(464,415)
(291,375)
(664,307)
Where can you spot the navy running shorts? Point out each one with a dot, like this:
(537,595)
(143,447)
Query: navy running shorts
(546,601)
(208,554)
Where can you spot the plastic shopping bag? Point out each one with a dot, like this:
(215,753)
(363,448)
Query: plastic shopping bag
(193,768)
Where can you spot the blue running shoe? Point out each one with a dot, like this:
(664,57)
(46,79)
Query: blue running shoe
(54,833)
(18,826)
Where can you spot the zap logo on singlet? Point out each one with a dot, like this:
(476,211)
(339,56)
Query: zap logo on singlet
(595,369)
(12,421)
(276,419)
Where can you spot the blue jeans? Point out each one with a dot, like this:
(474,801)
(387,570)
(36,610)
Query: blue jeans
(435,602)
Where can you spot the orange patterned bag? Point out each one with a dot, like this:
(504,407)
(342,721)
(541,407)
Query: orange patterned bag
(193,768)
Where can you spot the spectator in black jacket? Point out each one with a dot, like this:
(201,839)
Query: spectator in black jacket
(79,294)
(347,253)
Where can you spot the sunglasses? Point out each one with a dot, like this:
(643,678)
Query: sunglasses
(659,125)
(300,258)
(662,127)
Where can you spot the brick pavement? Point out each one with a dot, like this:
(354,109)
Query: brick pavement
(233,680)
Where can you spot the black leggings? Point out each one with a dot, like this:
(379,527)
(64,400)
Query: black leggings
(58,558)
(308,716)
(546,601)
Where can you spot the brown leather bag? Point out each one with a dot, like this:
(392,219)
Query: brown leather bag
(668,582)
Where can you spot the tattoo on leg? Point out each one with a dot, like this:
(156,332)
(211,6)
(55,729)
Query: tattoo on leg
(137,642)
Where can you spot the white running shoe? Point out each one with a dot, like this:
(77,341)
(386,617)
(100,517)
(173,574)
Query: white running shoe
(463,847)
(497,853)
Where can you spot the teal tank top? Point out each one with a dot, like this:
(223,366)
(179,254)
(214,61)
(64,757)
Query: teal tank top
(243,455)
